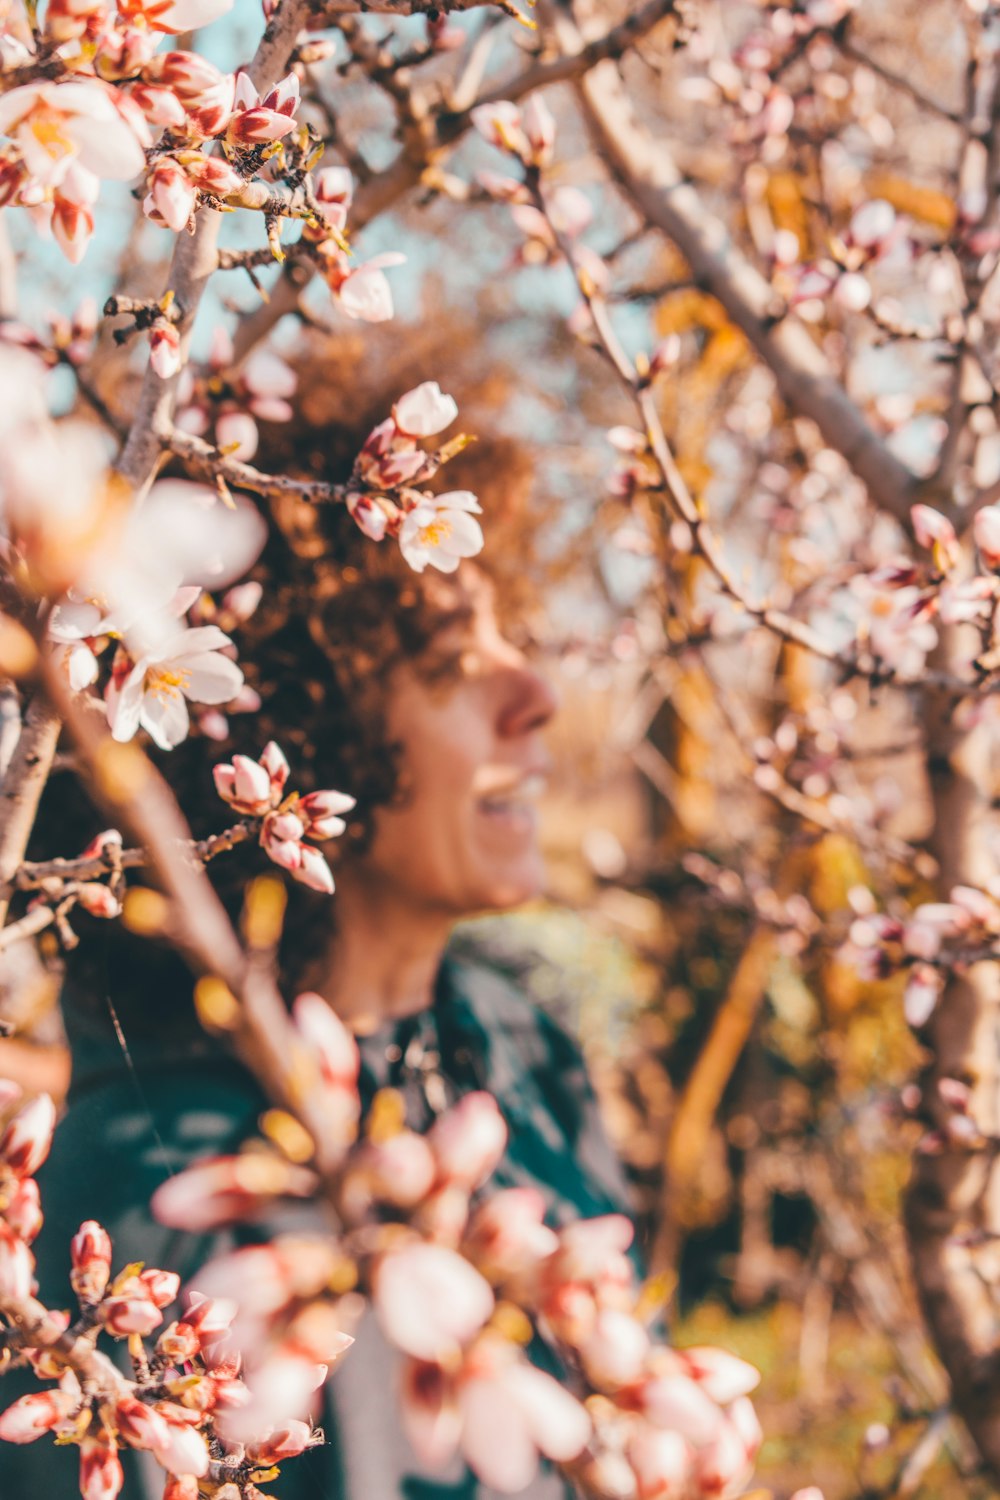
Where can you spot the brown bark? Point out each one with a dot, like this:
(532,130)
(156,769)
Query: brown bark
(953,1203)
(22,787)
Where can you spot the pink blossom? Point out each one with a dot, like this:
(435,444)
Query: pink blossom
(468,1140)
(173,15)
(67,19)
(424,411)
(26,1141)
(35,1414)
(236,435)
(159,105)
(90,1255)
(187,75)
(511,1413)
(57,124)
(210,174)
(101,1476)
(399,1171)
(152,693)
(441,530)
(181,1487)
(507,1236)
(72,214)
(429,1300)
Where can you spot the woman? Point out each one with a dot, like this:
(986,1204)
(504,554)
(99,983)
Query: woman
(405,691)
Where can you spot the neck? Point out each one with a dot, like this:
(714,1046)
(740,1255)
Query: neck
(383,960)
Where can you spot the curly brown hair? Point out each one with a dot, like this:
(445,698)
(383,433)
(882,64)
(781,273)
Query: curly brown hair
(338,613)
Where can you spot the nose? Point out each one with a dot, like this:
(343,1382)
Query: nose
(529,699)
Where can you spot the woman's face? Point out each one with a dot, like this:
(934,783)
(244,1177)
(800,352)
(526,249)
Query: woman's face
(465,838)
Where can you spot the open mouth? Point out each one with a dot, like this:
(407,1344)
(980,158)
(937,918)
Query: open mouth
(516,803)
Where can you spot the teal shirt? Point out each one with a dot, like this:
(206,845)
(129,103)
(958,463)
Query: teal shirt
(128,1129)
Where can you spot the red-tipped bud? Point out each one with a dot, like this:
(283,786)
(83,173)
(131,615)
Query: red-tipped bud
(90,1251)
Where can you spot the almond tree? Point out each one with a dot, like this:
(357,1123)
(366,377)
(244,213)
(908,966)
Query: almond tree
(838,214)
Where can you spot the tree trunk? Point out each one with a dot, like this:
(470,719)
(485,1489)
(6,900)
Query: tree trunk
(953,1202)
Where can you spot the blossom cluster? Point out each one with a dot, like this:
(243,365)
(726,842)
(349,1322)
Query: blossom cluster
(458,1280)
(289,824)
(383,496)
(181,1384)
(445,1266)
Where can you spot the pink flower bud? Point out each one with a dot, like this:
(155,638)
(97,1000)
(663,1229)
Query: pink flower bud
(160,106)
(275,765)
(508,1235)
(125,1315)
(469,1140)
(188,74)
(242,600)
(871,223)
(986,529)
(227,1188)
(285,827)
(369,516)
(430,1301)
(720,1375)
(184,1451)
(314,871)
(164,348)
(26,1141)
(139,1424)
(161,1286)
(181,1487)
(923,990)
(424,411)
(245,785)
(16,1266)
(286,1442)
(328,1037)
(322,810)
(614,1353)
(935,531)
(212,175)
(499,123)
(178,1342)
(90,1252)
(34,1414)
(236,434)
(540,129)
(172,193)
(101,1476)
(98,900)
(24,1211)
(661,1462)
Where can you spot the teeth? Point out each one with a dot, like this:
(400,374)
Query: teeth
(528,790)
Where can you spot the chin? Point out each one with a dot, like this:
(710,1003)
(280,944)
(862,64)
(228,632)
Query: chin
(503,891)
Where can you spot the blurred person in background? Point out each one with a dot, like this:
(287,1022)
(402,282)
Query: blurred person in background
(407,691)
